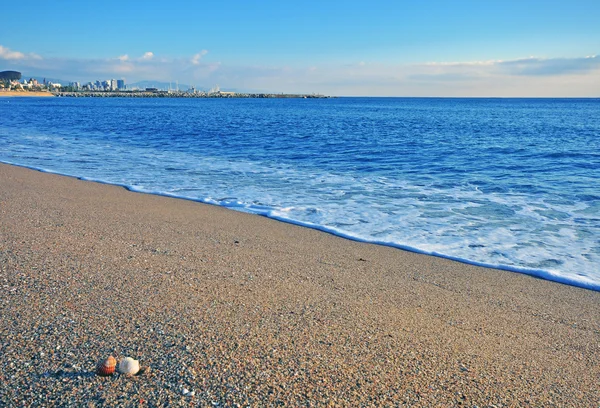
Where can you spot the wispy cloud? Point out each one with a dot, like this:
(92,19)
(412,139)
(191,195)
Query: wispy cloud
(532,76)
(531,66)
(461,63)
(519,77)
(196,58)
(551,66)
(8,54)
(146,66)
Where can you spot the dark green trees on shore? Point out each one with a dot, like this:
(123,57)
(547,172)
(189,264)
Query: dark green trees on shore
(10,76)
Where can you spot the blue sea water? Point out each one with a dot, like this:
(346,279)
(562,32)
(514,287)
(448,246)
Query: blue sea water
(507,183)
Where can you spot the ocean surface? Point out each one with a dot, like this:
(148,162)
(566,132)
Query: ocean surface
(506,183)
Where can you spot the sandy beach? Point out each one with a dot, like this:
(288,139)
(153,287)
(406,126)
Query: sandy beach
(24,94)
(239,309)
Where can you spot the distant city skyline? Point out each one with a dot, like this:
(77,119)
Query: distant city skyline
(379,48)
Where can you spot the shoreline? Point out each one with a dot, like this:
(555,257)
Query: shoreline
(243,308)
(538,274)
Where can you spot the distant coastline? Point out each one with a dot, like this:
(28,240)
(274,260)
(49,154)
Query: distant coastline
(154,94)
(179,94)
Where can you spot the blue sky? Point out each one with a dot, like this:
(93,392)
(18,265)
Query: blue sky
(390,48)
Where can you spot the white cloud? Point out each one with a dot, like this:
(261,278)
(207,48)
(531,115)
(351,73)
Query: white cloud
(196,58)
(533,66)
(557,77)
(462,64)
(517,77)
(8,54)
(530,66)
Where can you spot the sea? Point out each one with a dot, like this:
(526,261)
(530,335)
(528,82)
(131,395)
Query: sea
(505,183)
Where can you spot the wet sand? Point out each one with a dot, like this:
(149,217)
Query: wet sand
(240,309)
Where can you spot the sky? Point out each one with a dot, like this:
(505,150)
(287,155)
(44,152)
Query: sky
(520,48)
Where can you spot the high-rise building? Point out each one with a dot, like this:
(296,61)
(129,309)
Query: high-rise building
(120,84)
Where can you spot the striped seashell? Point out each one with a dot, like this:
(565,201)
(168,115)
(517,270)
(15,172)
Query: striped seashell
(106,367)
(128,366)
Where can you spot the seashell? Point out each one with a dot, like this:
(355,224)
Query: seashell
(128,366)
(106,367)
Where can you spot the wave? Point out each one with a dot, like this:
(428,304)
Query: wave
(581,281)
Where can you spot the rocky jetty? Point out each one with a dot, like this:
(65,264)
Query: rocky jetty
(167,94)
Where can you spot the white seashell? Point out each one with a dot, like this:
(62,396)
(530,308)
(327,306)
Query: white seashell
(188,393)
(128,366)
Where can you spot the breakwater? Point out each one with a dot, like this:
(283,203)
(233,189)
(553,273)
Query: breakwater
(178,94)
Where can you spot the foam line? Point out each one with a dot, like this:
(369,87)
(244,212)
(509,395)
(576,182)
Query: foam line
(268,212)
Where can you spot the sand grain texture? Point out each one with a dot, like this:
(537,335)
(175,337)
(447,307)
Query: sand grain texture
(245,310)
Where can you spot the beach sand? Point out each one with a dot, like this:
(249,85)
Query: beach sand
(241,309)
(24,94)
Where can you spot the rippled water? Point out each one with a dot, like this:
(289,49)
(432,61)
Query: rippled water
(510,183)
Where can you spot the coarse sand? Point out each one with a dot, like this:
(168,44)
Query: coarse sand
(230,308)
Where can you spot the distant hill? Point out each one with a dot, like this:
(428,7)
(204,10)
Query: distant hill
(10,75)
